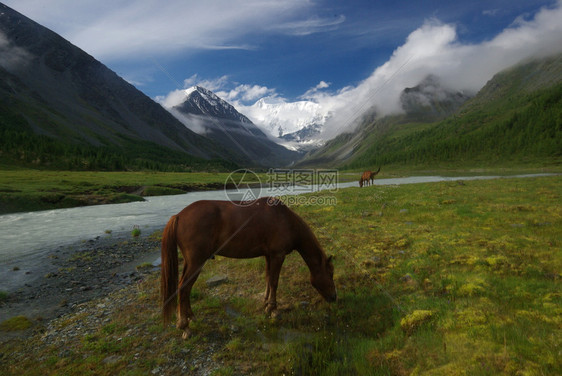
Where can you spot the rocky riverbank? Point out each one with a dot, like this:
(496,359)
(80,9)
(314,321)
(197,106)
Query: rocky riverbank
(70,275)
(86,288)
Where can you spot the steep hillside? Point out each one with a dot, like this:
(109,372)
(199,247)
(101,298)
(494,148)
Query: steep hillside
(517,115)
(54,94)
(430,100)
(204,112)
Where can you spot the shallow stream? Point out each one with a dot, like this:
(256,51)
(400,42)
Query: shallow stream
(26,238)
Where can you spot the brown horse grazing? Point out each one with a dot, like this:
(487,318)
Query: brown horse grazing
(368,177)
(265,228)
(364,178)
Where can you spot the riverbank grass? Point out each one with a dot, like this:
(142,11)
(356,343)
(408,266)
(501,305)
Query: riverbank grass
(441,278)
(30,190)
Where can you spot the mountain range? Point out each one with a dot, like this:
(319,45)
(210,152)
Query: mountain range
(204,112)
(516,116)
(61,108)
(59,91)
(54,96)
(430,100)
(296,125)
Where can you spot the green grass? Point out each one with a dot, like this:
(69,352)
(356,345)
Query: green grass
(28,190)
(15,324)
(136,232)
(466,280)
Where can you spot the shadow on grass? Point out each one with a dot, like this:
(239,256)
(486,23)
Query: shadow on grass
(339,340)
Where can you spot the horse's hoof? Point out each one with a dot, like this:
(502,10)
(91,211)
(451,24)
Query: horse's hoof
(186,334)
(182,324)
(269,308)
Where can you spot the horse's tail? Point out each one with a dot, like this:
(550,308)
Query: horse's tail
(169,269)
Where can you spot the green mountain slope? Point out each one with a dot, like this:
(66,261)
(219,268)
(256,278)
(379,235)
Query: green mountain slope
(516,116)
(60,107)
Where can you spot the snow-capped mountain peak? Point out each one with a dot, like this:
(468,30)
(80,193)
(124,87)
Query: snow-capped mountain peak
(205,113)
(279,118)
(200,101)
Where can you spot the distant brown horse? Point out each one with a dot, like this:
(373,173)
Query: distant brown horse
(368,177)
(265,228)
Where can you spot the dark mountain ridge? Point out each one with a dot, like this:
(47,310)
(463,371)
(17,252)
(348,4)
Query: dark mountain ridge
(430,100)
(200,101)
(515,116)
(57,90)
(206,113)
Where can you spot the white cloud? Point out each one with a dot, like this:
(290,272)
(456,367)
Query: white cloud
(433,48)
(237,94)
(172,99)
(310,26)
(196,123)
(490,12)
(120,29)
(246,93)
(313,92)
(210,84)
(12,57)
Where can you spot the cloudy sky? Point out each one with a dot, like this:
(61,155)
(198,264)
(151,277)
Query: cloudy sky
(340,54)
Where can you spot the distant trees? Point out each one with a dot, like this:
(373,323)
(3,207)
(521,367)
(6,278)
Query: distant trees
(20,146)
(526,127)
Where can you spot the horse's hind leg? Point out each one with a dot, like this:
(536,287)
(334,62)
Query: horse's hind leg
(190,273)
(275,264)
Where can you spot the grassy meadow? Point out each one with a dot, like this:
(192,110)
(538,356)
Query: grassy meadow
(29,190)
(444,279)
(33,189)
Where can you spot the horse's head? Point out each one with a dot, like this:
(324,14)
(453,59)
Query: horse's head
(323,281)
(361,182)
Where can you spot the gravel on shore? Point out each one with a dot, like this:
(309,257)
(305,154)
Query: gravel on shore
(79,273)
(92,283)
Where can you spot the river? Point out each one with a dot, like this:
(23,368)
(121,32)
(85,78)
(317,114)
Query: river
(30,234)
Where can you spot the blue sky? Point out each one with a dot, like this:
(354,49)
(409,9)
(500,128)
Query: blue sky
(291,50)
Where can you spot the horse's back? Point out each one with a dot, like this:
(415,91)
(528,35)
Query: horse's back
(214,212)
(240,230)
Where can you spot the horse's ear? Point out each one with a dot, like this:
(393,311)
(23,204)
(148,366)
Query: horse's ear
(330,258)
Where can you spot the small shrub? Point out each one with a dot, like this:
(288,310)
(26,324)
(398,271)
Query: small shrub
(235,345)
(472,288)
(15,323)
(136,231)
(144,266)
(414,320)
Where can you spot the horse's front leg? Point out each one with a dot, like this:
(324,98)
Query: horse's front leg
(185,314)
(267,287)
(275,264)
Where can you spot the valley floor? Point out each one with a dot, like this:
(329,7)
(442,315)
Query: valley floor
(31,190)
(437,278)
